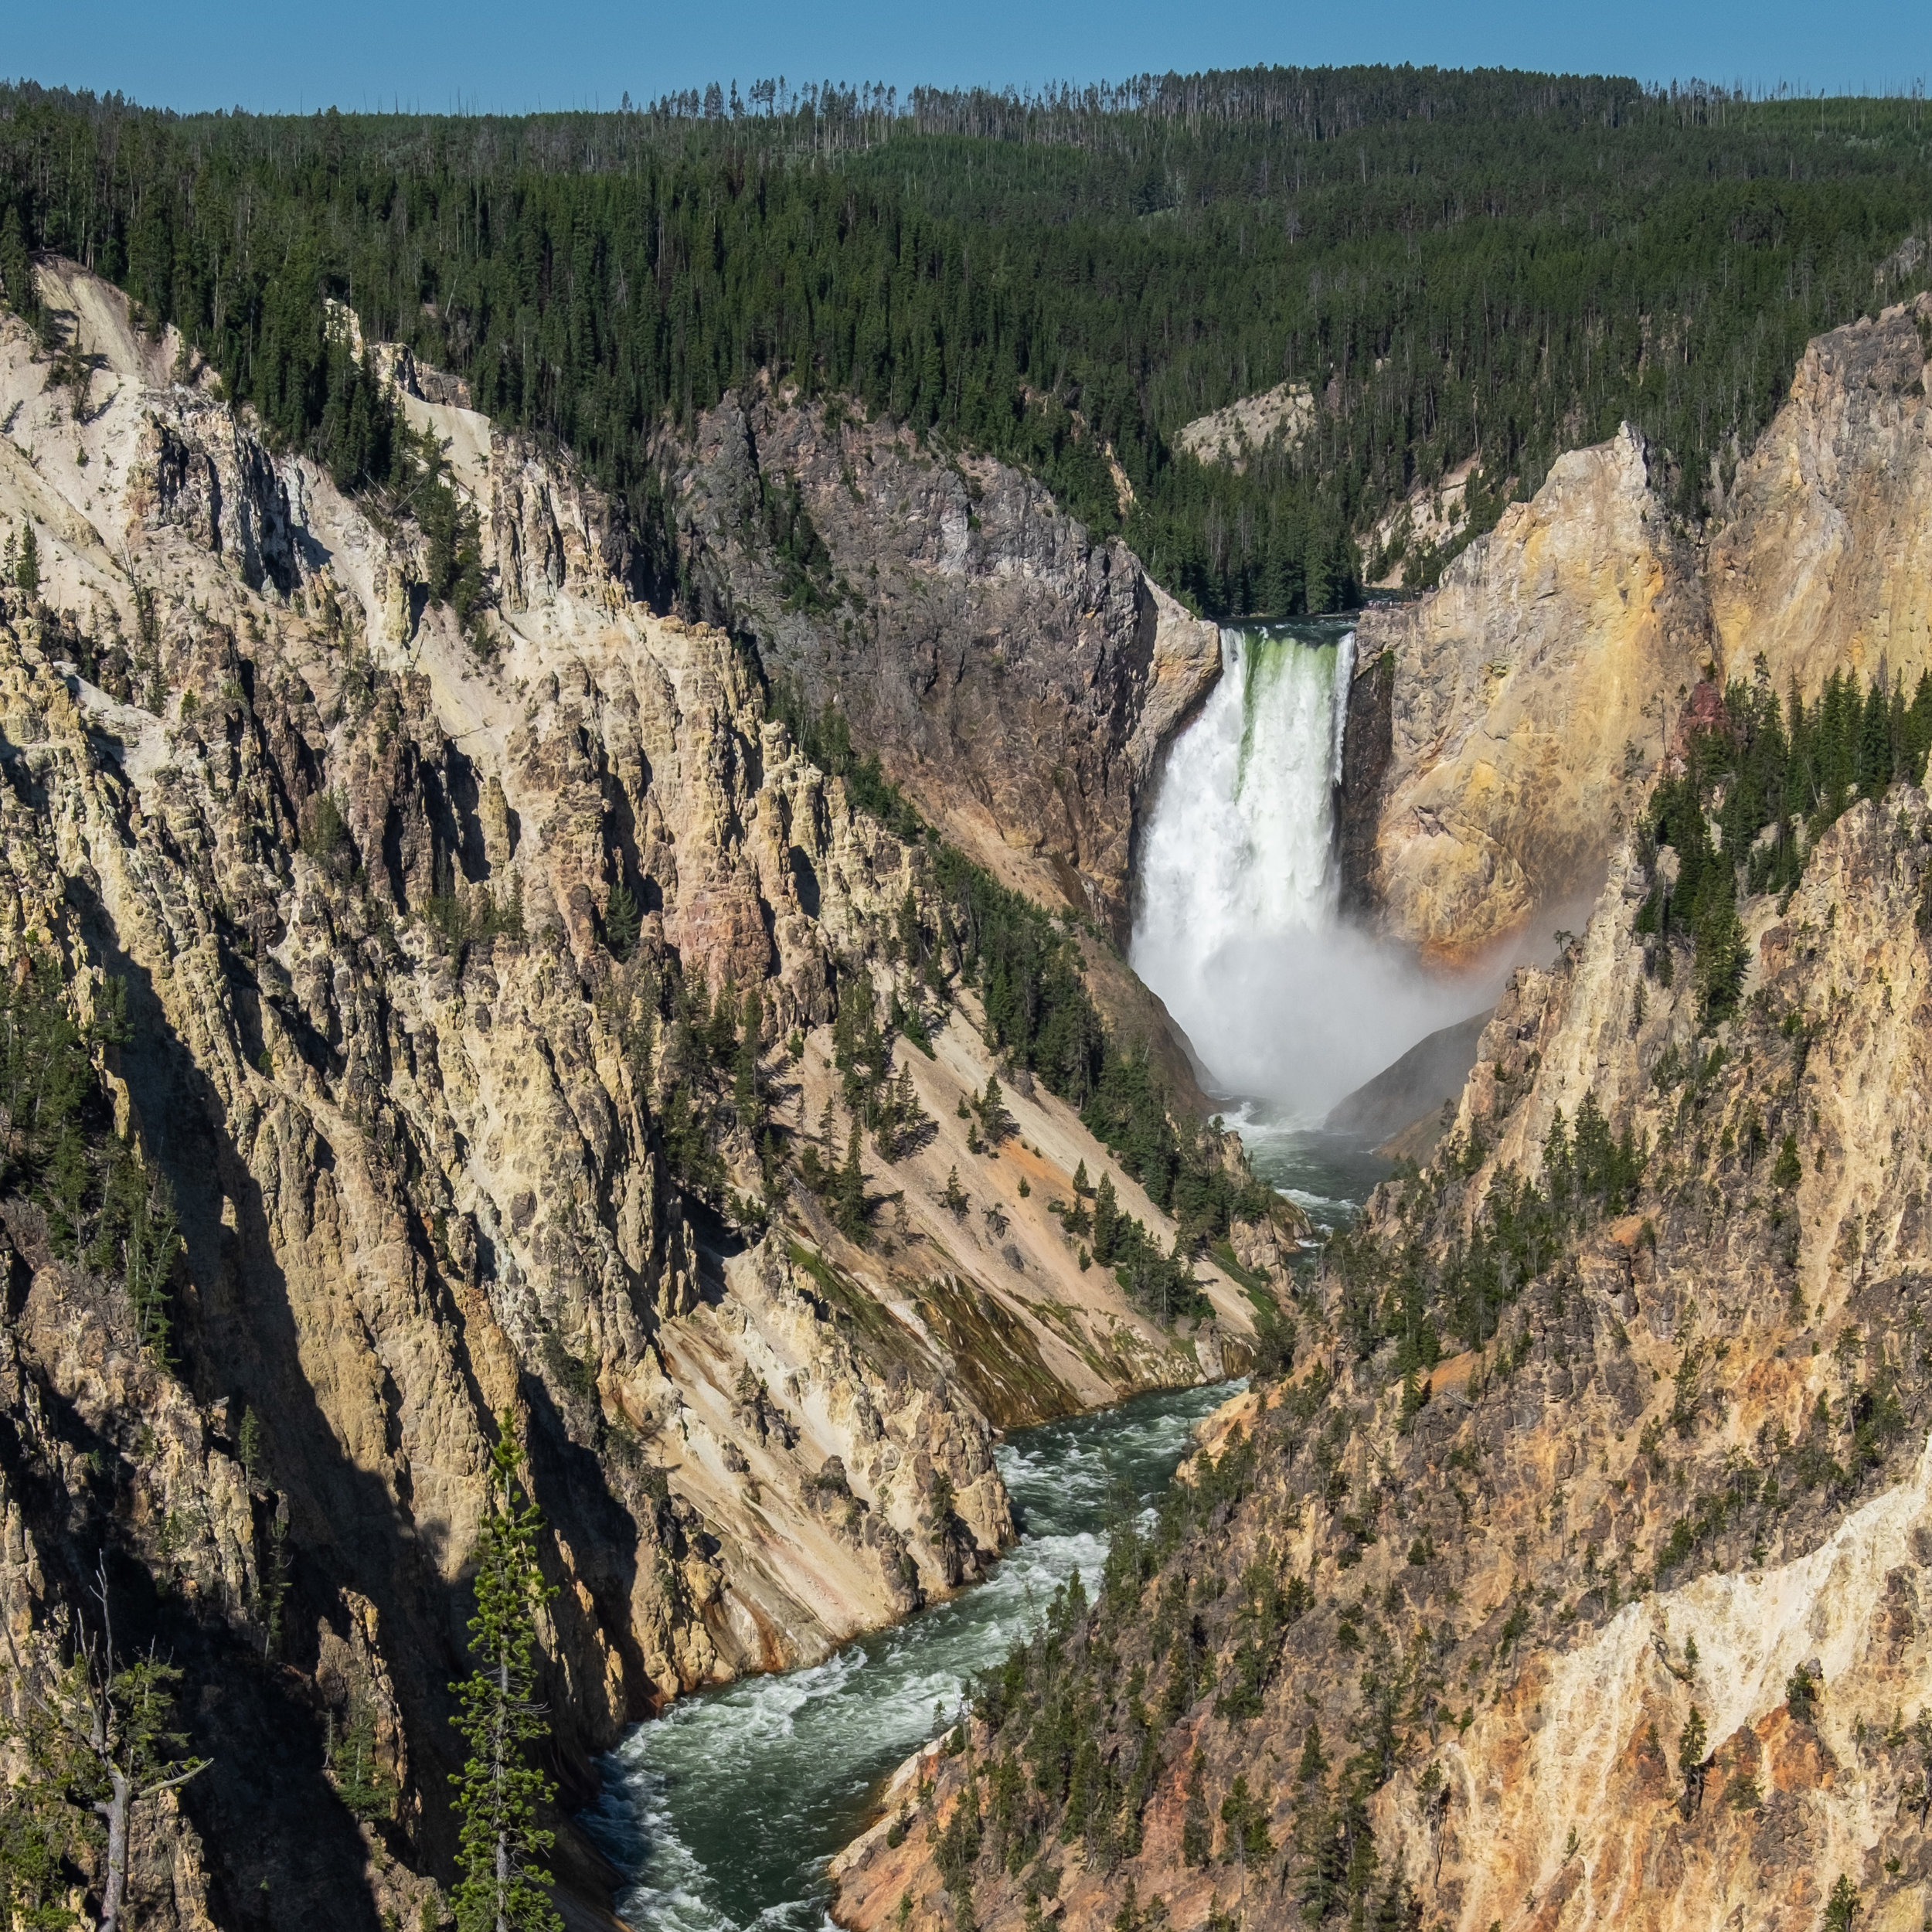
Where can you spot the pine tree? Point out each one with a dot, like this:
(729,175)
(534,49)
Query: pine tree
(1690,1756)
(1801,1691)
(1721,959)
(744,1077)
(1787,1170)
(1196,1833)
(1843,1906)
(362,1781)
(498,1791)
(911,940)
(1082,1185)
(911,1116)
(1873,769)
(622,923)
(1247,1820)
(721,1031)
(252,1443)
(992,1113)
(958,1199)
(1106,1223)
(848,1207)
(26,570)
(16,270)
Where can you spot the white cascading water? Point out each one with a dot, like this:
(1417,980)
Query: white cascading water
(1238,929)
(1241,839)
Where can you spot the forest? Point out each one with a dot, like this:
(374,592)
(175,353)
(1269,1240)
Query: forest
(1493,267)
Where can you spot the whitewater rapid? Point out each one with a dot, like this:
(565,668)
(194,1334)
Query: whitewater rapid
(1238,925)
(724,1810)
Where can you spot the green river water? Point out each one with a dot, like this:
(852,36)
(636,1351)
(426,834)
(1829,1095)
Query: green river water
(724,1811)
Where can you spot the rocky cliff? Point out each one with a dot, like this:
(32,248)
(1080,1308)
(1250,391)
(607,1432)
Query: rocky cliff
(1504,728)
(1501,727)
(1016,678)
(1576,1575)
(1824,559)
(1573,1575)
(427,954)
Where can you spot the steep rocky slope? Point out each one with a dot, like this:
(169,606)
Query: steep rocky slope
(1825,559)
(1425,1081)
(1502,729)
(1575,1575)
(1016,677)
(422,939)
(1233,434)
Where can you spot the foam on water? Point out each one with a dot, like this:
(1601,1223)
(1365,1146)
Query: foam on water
(726,1808)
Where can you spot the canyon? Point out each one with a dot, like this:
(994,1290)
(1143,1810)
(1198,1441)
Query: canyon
(1573,1575)
(399,945)
(483,994)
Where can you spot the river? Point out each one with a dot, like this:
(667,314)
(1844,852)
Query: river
(724,1811)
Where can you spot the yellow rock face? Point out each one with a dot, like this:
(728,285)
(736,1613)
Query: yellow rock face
(1532,696)
(1825,558)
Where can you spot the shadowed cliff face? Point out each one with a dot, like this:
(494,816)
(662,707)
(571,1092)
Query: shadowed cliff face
(1529,700)
(1015,678)
(1618,1620)
(1824,559)
(355,872)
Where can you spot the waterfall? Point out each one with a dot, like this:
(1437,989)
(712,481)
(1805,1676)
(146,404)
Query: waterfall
(1344,676)
(1238,927)
(1241,840)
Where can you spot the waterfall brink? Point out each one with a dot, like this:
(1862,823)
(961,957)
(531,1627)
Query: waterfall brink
(1238,928)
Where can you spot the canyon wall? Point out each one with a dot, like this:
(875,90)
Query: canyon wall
(1617,1619)
(1505,727)
(1823,560)
(1016,677)
(408,922)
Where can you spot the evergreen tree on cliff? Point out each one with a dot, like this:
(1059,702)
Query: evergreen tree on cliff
(848,1207)
(1107,1221)
(498,1791)
(26,570)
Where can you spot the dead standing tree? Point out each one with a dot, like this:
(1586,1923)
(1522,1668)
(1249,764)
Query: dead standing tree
(97,1742)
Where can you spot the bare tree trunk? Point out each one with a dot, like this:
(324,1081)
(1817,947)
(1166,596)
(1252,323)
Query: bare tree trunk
(115,1809)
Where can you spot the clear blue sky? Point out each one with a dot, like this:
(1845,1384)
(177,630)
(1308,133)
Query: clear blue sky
(515,54)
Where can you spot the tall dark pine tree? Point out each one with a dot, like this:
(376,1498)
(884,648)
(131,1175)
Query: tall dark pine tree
(17,288)
(621,921)
(26,571)
(1107,1221)
(500,1850)
(848,1207)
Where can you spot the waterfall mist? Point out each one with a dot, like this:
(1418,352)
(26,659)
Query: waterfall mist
(1238,928)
